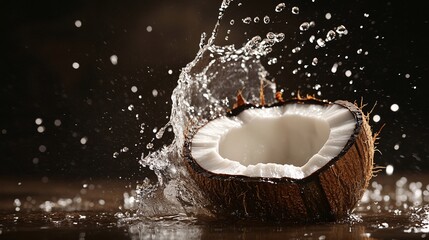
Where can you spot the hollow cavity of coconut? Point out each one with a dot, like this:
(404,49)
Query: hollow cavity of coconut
(301,160)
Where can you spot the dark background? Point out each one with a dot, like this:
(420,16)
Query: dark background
(40,42)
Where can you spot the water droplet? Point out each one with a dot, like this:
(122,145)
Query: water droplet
(155,129)
(256,19)
(272,61)
(160,133)
(170,71)
(396,147)
(295,10)
(114,59)
(57,122)
(348,73)
(328,16)
(334,68)
(330,35)
(407,75)
(38,121)
(154,92)
(404,135)
(314,62)
(130,107)
(83,140)
(394,107)
(35,160)
(115,155)
(134,89)
(376,118)
(317,86)
(320,42)
(267,20)
(231,22)
(125,149)
(149,28)
(247,20)
(42,148)
(295,50)
(280,7)
(40,129)
(78,23)
(280,37)
(75,65)
(304,26)
(149,146)
(341,30)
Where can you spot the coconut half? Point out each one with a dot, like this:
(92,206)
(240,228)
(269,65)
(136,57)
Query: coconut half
(301,160)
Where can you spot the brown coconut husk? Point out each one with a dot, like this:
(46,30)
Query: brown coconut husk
(328,194)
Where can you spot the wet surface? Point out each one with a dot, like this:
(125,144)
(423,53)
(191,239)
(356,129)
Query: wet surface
(394,207)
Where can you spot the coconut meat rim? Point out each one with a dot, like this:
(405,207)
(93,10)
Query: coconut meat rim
(292,140)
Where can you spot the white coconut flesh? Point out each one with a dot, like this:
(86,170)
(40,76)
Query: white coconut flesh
(292,140)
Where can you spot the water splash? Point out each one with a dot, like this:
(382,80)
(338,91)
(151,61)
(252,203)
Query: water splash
(206,89)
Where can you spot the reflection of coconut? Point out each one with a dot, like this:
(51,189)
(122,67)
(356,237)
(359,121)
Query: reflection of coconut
(300,160)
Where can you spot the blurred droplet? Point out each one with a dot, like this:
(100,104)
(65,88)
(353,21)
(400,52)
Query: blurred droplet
(280,7)
(114,59)
(394,107)
(295,10)
(75,65)
(247,20)
(376,118)
(78,23)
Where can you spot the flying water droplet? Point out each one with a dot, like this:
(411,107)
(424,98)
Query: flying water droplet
(348,73)
(394,107)
(328,16)
(280,7)
(341,30)
(376,118)
(304,26)
(272,61)
(314,62)
(130,107)
(295,10)
(330,35)
(267,19)
(247,20)
(334,68)
(160,133)
(321,42)
(154,92)
(256,19)
(149,146)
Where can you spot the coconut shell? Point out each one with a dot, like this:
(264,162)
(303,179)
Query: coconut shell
(328,194)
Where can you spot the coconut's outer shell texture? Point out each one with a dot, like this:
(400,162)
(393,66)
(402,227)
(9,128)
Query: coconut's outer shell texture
(346,180)
(328,194)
